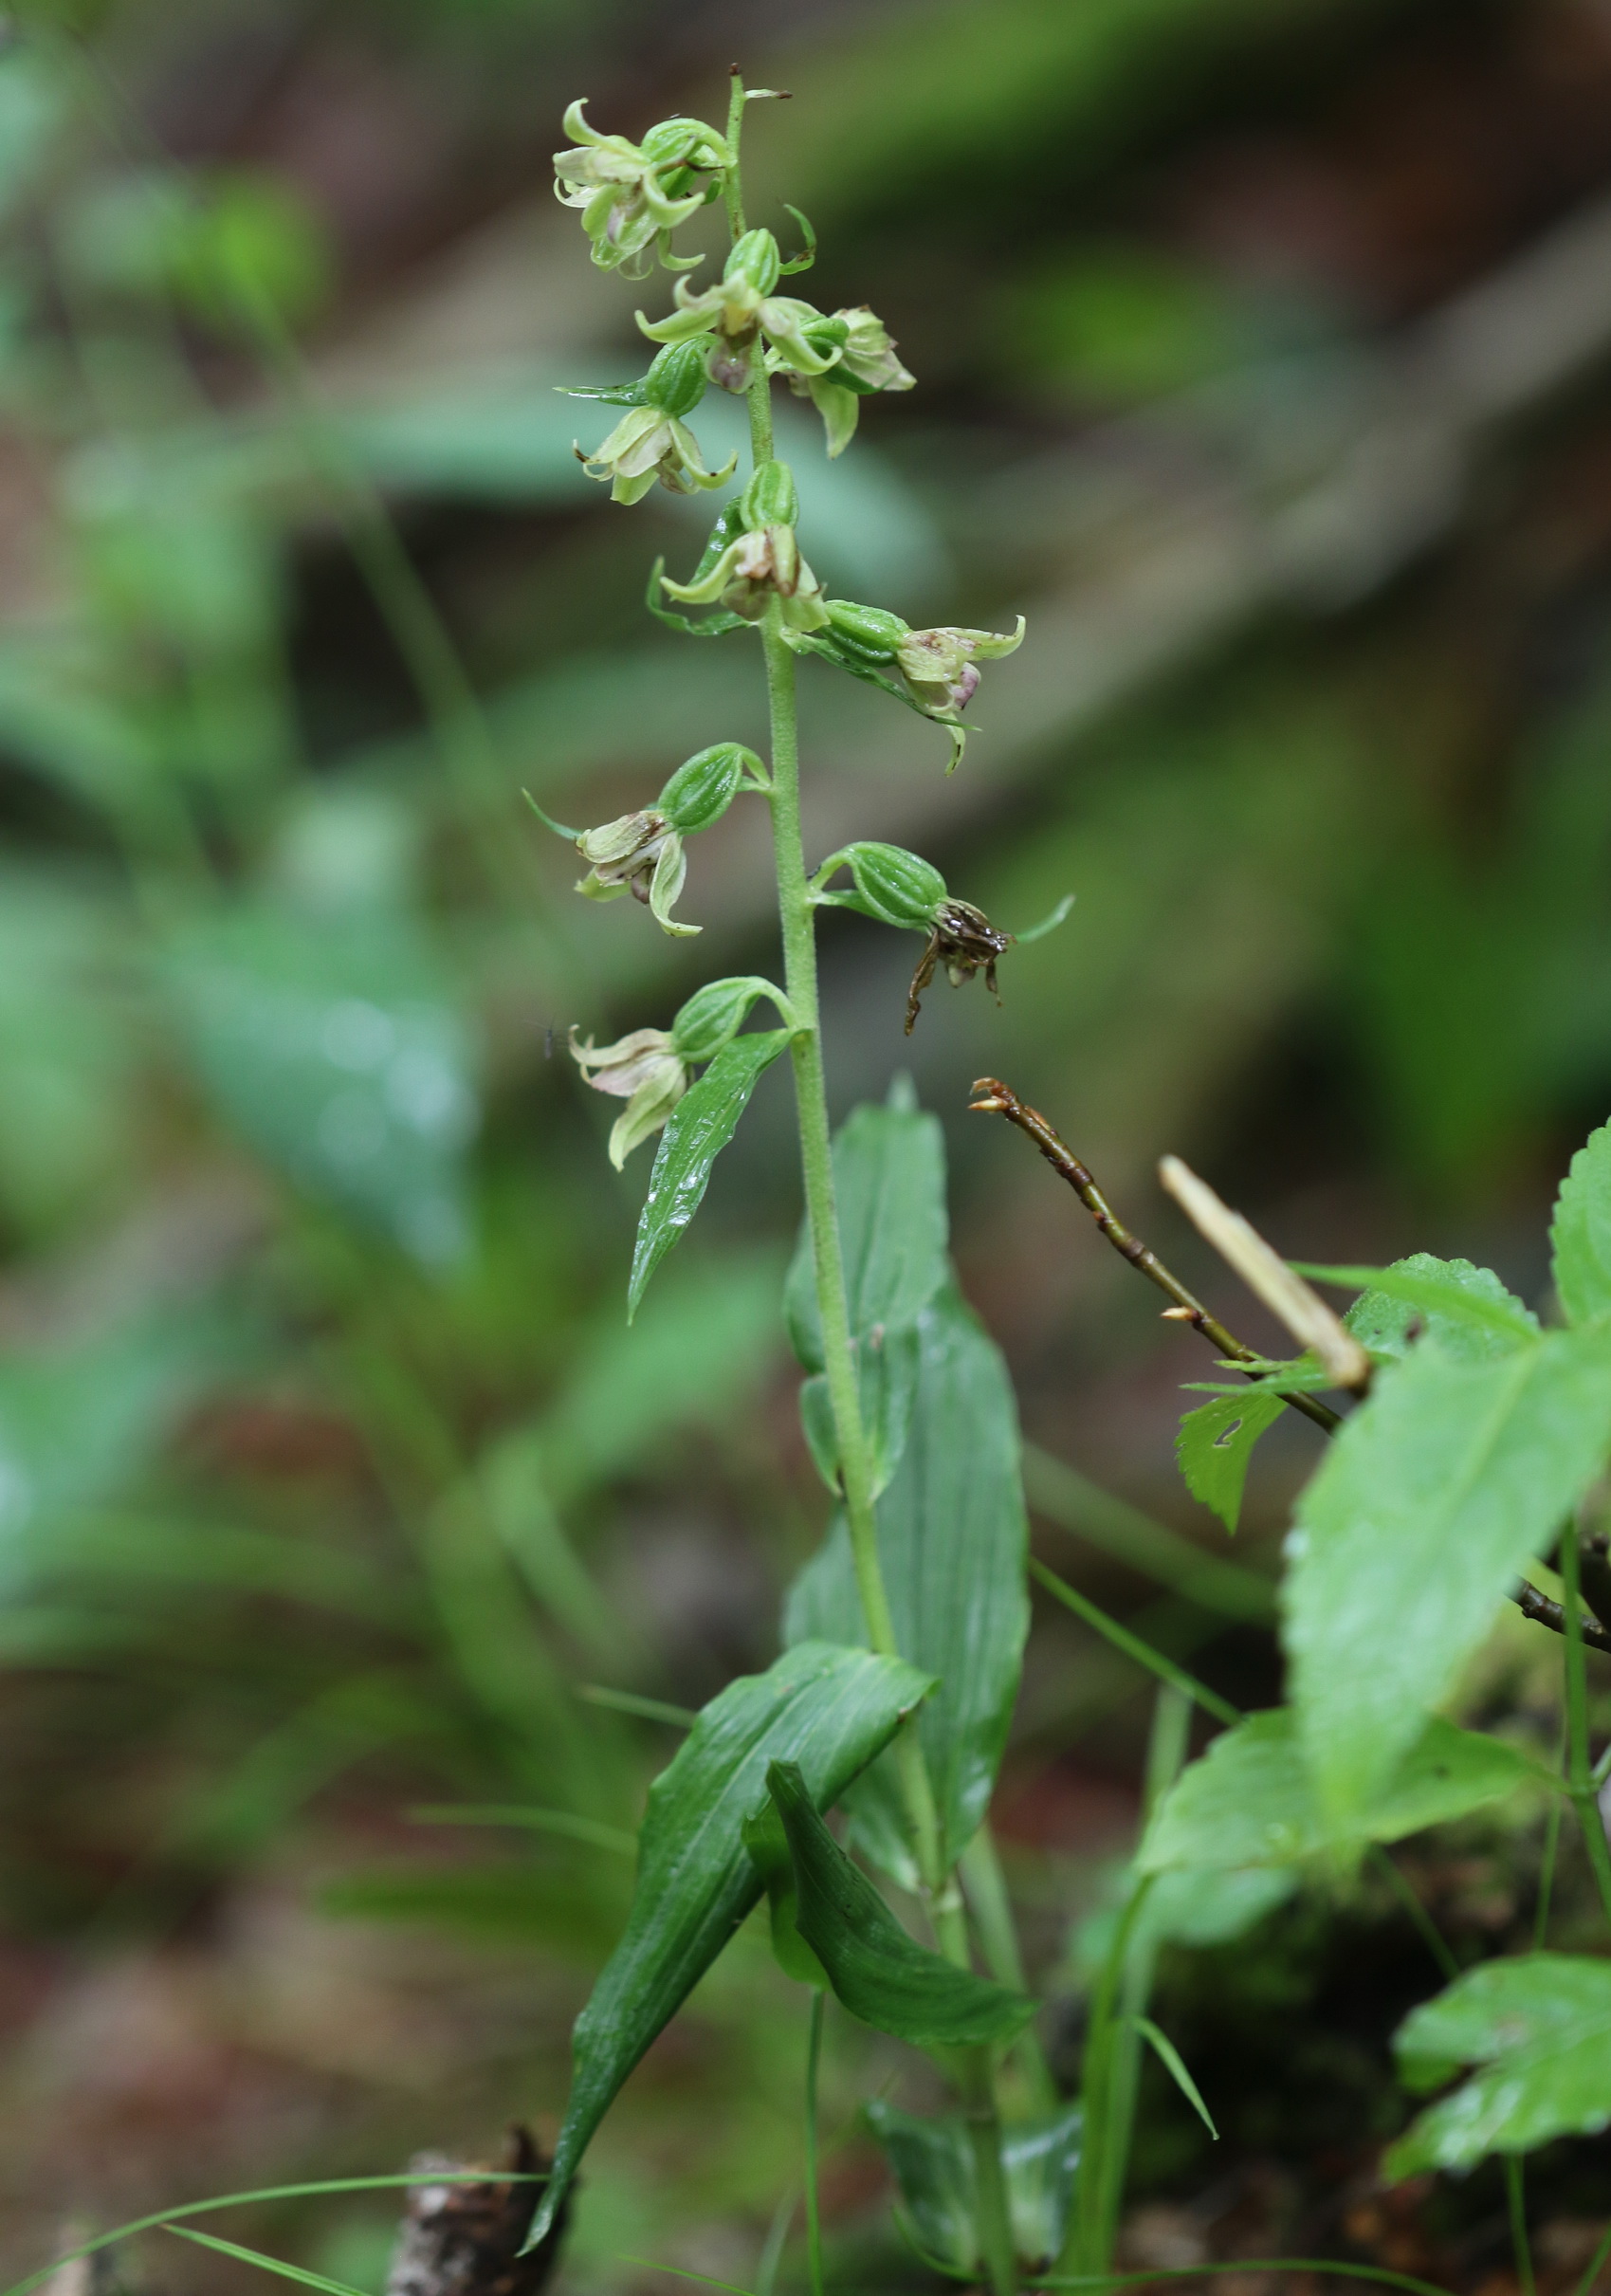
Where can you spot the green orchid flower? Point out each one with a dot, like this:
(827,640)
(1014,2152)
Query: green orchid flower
(741,311)
(645,1070)
(633,196)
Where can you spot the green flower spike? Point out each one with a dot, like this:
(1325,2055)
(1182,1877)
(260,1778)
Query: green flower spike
(763,560)
(740,311)
(633,196)
(642,1069)
(867,363)
(651,441)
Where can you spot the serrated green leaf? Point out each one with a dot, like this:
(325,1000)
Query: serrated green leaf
(825,1709)
(336,1053)
(698,1129)
(1582,1234)
(1249,1802)
(1433,1496)
(1464,1308)
(1215,1444)
(889,1180)
(931,2159)
(879,1973)
(1539,2029)
(953,1537)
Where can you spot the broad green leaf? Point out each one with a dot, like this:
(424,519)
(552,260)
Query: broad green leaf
(332,1047)
(952,1538)
(1581,1233)
(1464,1308)
(1215,1444)
(888,1366)
(824,1709)
(889,1180)
(1538,2028)
(932,2163)
(1248,1800)
(879,1973)
(1430,1500)
(698,1129)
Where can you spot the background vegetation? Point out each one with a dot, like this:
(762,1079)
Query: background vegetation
(1263,356)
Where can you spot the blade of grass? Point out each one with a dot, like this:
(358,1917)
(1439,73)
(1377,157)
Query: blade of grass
(563,1822)
(263,2264)
(1174,2065)
(1133,1646)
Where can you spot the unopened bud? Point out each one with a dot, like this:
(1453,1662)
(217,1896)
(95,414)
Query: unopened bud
(701,791)
(755,261)
(676,377)
(771,498)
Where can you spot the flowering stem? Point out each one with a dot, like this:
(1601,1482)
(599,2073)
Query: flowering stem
(976,2067)
(1580,1782)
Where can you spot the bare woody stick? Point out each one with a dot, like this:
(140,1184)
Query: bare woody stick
(999,1101)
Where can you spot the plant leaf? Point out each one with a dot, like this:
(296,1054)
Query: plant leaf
(881,1974)
(931,2159)
(1581,1233)
(827,1710)
(1539,2030)
(698,1129)
(331,1046)
(1215,1444)
(889,1180)
(1432,1497)
(1174,2066)
(1248,1800)
(952,1537)
(887,1365)
(1465,1307)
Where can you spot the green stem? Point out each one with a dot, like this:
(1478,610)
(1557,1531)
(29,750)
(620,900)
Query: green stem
(986,1886)
(1546,1864)
(813,2212)
(1580,1781)
(1515,2195)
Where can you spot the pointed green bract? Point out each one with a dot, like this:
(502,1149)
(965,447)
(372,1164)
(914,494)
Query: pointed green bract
(1433,1496)
(1215,1444)
(698,1129)
(1538,2028)
(1581,1233)
(1249,1802)
(881,1974)
(932,2160)
(953,1537)
(825,1709)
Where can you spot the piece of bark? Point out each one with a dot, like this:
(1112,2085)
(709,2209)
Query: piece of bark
(465,2239)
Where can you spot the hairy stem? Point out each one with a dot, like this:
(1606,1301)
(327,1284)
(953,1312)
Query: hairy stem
(975,2066)
(1580,1781)
(813,2212)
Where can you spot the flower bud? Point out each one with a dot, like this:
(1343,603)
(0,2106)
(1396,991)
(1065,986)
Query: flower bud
(866,629)
(701,791)
(771,498)
(676,382)
(755,261)
(714,1015)
(895,886)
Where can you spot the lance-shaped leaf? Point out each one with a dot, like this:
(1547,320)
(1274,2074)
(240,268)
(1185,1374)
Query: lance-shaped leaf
(1249,1802)
(698,1129)
(1215,1444)
(889,1180)
(1581,1233)
(826,1710)
(1538,2028)
(952,1539)
(1431,1499)
(879,1973)
(932,2160)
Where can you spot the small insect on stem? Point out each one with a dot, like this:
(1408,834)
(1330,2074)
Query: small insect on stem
(963,940)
